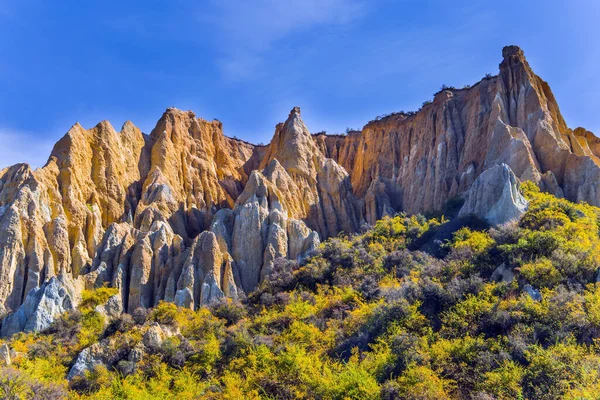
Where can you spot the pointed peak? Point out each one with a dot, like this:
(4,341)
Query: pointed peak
(513,57)
(513,52)
(104,125)
(293,146)
(294,116)
(293,126)
(177,111)
(76,127)
(169,118)
(514,67)
(295,111)
(128,125)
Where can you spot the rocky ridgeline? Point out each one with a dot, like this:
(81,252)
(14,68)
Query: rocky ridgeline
(188,215)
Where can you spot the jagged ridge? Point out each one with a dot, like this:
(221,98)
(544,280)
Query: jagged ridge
(188,215)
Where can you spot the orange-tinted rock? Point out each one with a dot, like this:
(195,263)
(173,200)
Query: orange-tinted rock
(186,214)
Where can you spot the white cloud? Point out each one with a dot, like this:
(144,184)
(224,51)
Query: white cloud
(246,31)
(19,147)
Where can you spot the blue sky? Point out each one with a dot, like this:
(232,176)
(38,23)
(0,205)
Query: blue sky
(249,62)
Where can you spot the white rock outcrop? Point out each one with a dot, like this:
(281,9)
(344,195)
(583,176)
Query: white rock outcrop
(495,196)
(42,306)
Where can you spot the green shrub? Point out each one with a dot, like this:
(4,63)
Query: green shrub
(541,273)
(90,299)
(368,316)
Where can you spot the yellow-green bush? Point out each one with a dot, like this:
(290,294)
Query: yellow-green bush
(92,298)
(369,316)
(541,273)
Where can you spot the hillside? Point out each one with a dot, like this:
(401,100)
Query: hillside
(187,215)
(451,252)
(498,313)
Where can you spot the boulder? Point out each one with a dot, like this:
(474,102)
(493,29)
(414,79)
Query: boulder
(89,358)
(137,353)
(503,274)
(532,292)
(495,196)
(112,309)
(154,336)
(5,358)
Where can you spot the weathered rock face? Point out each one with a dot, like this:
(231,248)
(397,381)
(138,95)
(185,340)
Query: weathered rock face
(42,306)
(112,310)
(495,196)
(111,353)
(319,190)
(417,162)
(262,230)
(105,353)
(188,215)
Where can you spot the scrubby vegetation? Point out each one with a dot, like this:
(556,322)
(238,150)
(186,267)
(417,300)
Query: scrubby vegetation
(370,316)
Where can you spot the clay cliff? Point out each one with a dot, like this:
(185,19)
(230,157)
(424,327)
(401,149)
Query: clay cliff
(188,215)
